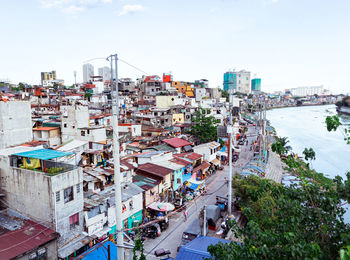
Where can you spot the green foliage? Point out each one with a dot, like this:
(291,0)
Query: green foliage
(333,123)
(345,253)
(138,247)
(21,86)
(303,222)
(54,170)
(222,143)
(280,146)
(309,153)
(224,94)
(204,127)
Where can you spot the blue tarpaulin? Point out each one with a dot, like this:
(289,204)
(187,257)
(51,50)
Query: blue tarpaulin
(197,248)
(43,154)
(99,251)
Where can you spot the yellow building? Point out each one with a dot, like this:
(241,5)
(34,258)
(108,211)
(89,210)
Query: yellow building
(183,87)
(178,119)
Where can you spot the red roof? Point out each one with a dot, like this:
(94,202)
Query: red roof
(45,128)
(19,241)
(154,169)
(180,161)
(176,142)
(191,155)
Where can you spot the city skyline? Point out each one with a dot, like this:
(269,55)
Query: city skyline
(286,43)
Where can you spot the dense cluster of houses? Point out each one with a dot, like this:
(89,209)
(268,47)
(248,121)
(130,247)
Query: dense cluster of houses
(57,166)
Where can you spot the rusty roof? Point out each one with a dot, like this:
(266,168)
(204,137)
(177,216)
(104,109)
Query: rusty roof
(27,236)
(154,169)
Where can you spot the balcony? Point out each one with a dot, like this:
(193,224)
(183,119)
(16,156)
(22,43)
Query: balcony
(42,160)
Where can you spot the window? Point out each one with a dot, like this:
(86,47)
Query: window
(40,254)
(58,197)
(82,133)
(74,220)
(131,204)
(68,194)
(88,131)
(65,125)
(78,188)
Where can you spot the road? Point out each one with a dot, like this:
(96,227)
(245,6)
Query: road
(216,185)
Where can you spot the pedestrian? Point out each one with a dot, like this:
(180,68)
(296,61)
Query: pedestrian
(185,213)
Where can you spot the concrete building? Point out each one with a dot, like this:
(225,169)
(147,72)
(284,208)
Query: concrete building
(75,125)
(15,123)
(105,73)
(88,72)
(22,239)
(307,91)
(52,135)
(44,189)
(47,77)
(239,81)
(209,150)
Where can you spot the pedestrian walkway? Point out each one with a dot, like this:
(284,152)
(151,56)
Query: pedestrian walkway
(274,170)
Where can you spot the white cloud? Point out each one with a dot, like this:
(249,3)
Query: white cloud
(131,9)
(73,6)
(73,9)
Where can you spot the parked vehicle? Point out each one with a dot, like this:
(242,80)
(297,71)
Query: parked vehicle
(162,252)
(221,202)
(152,231)
(213,213)
(192,231)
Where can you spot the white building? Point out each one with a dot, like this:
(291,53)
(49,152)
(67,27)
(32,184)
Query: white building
(307,91)
(75,125)
(243,82)
(209,150)
(44,189)
(15,123)
(105,73)
(88,72)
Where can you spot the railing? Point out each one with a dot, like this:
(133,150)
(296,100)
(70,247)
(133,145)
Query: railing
(49,168)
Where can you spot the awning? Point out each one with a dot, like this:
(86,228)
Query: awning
(43,154)
(73,246)
(193,184)
(215,162)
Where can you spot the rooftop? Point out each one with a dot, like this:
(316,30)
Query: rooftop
(154,169)
(43,154)
(176,142)
(19,235)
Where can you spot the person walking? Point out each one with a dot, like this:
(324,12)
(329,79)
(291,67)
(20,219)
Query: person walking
(185,213)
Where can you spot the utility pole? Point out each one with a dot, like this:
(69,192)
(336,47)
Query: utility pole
(230,155)
(116,158)
(75,78)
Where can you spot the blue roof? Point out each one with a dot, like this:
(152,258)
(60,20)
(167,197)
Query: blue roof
(43,154)
(99,251)
(197,248)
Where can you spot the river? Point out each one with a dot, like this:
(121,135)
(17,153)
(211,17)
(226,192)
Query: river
(305,127)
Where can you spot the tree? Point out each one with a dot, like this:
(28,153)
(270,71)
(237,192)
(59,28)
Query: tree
(302,221)
(21,86)
(280,146)
(333,123)
(224,94)
(204,127)
(309,153)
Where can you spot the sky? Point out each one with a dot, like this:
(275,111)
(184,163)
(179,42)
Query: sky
(286,43)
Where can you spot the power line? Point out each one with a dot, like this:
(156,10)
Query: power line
(127,63)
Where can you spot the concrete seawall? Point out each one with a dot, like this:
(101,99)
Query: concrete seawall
(274,170)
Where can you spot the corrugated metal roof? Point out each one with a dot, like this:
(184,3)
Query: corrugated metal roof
(43,154)
(26,236)
(197,249)
(153,169)
(176,142)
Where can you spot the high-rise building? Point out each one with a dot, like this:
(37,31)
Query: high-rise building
(256,84)
(88,72)
(239,81)
(105,73)
(47,77)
